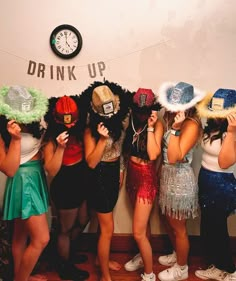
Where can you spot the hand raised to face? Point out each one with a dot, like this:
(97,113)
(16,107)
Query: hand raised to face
(62,139)
(14,129)
(231,118)
(152,118)
(102,130)
(178,120)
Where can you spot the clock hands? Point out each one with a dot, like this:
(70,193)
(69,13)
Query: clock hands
(67,42)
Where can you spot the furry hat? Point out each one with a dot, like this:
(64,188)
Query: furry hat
(144,100)
(179,96)
(218,105)
(144,97)
(104,102)
(106,99)
(25,105)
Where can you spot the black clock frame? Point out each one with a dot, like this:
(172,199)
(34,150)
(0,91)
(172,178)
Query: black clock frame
(53,43)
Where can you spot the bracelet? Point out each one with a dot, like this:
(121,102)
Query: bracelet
(150,129)
(175,132)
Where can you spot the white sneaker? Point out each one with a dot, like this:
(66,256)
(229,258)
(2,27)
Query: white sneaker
(174,273)
(168,260)
(145,278)
(228,276)
(135,263)
(210,273)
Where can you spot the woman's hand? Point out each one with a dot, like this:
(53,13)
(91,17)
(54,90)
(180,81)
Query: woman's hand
(231,118)
(14,129)
(102,130)
(152,119)
(62,139)
(178,120)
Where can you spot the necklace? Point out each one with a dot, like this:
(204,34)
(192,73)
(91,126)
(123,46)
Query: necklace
(136,134)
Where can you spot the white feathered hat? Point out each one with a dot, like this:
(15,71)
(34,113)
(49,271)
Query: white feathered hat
(179,96)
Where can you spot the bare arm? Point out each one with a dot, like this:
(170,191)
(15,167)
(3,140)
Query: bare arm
(10,158)
(53,154)
(227,155)
(154,138)
(180,145)
(94,150)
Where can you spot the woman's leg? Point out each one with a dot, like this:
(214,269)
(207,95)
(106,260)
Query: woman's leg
(181,239)
(67,218)
(37,229)
(66,269)
(169,230)
(83,218)
(113,265)
(19,243)
(215,236)
(142,212)
(106,224)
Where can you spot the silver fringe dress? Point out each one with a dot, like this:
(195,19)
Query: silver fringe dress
(178,197)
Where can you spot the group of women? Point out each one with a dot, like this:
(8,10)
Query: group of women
(86,143)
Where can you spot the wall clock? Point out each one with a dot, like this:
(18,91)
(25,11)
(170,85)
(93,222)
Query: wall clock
(66,41)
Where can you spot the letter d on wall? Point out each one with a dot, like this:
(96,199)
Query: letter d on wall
(31,67)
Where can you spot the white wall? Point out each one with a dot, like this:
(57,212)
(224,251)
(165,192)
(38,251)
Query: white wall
(141,43)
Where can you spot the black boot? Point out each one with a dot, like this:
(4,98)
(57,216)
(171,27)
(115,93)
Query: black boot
(69,271)
(78,258)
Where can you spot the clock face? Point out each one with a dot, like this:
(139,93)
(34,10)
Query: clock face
(66,41)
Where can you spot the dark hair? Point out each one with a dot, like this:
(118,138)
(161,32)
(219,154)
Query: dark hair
(145,109)
(137,124)
(215,125)
(113,124)
(33,128)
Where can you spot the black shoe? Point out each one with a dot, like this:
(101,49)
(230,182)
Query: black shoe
(69,271)
(79,258)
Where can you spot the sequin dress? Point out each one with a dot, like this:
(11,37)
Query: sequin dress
(217,187)
(178,196)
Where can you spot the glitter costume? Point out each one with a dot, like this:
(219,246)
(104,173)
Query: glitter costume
(142,148)
(178,187)
(217,183)
(141,181)
(217,198)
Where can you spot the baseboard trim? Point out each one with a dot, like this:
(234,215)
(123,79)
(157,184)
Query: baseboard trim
(125,243)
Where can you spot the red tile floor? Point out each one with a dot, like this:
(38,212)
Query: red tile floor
(195,262)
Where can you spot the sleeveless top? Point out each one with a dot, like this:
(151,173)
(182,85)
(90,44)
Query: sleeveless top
(73,152)
(30,146)
(113,149)
(188,157)
(139,145)
(210,156)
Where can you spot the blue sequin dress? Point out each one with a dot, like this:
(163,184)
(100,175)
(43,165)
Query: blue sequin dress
(217,187)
